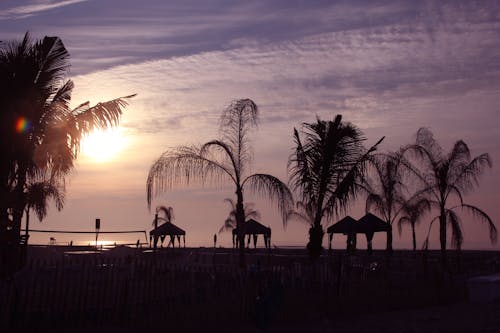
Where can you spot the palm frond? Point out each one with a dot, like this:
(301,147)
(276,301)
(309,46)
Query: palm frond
(168,213)
(454,221)
(375,200)
(40,192)
(99,116)
(425,245)
(230,222)
(482,216)
(303,212)
(181,165)
(401,221)
(274,189)
(425,138)
(226,152)
(236,122)
(467,176)
(54,61)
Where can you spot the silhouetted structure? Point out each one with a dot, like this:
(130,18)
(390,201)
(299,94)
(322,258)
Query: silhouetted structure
(167,229)
(254,228)
(368,225)
(346,226)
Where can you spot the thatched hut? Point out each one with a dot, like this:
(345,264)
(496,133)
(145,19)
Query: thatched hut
(167,229)
(252,228)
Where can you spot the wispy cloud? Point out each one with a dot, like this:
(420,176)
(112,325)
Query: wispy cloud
(387,66)
(34,8)
(365,73)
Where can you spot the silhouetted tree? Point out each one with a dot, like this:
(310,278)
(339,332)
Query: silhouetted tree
(384,188)
(412,212)
(230,222)
(326,169)
(37,197)
(446,178)
(39,131)
(225,159)
(165,213)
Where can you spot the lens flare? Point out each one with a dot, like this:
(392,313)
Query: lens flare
(23,125)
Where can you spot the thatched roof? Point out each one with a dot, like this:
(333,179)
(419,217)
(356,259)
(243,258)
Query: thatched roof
(168,229)
(252,227)
(344,226)
(372,223)
(367,224)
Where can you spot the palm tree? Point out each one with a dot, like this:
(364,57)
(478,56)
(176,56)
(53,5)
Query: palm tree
(165,214)
(40,132)
(230,222)
(412,212)
(384,188)
(37,196)
(446,178)
(225,159)
(326,169)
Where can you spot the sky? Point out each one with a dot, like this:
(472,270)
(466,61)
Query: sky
(389,67)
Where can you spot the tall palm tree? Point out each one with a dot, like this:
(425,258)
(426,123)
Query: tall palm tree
(412,212)
(225,159)
(384,188)
(326,169)
(446,178)
(40,133)
(230,222)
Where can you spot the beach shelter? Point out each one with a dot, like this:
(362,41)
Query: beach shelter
(369,225)
(253,228)
(346,226)
(168,229)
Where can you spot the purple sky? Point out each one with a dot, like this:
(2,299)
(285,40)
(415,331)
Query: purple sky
(389,67)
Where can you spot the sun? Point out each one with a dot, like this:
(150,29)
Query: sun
(103,145)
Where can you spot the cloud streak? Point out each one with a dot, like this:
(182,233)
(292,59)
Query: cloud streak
(35,8)
(387,66)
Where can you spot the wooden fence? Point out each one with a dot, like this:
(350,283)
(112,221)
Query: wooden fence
(157,291)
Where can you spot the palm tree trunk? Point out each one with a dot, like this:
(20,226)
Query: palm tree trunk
(389,233)
(240,225)
(316,233)
(414,237)
(442,233)
(389,241)
(26,232)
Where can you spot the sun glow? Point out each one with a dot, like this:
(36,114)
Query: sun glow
(104,146)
